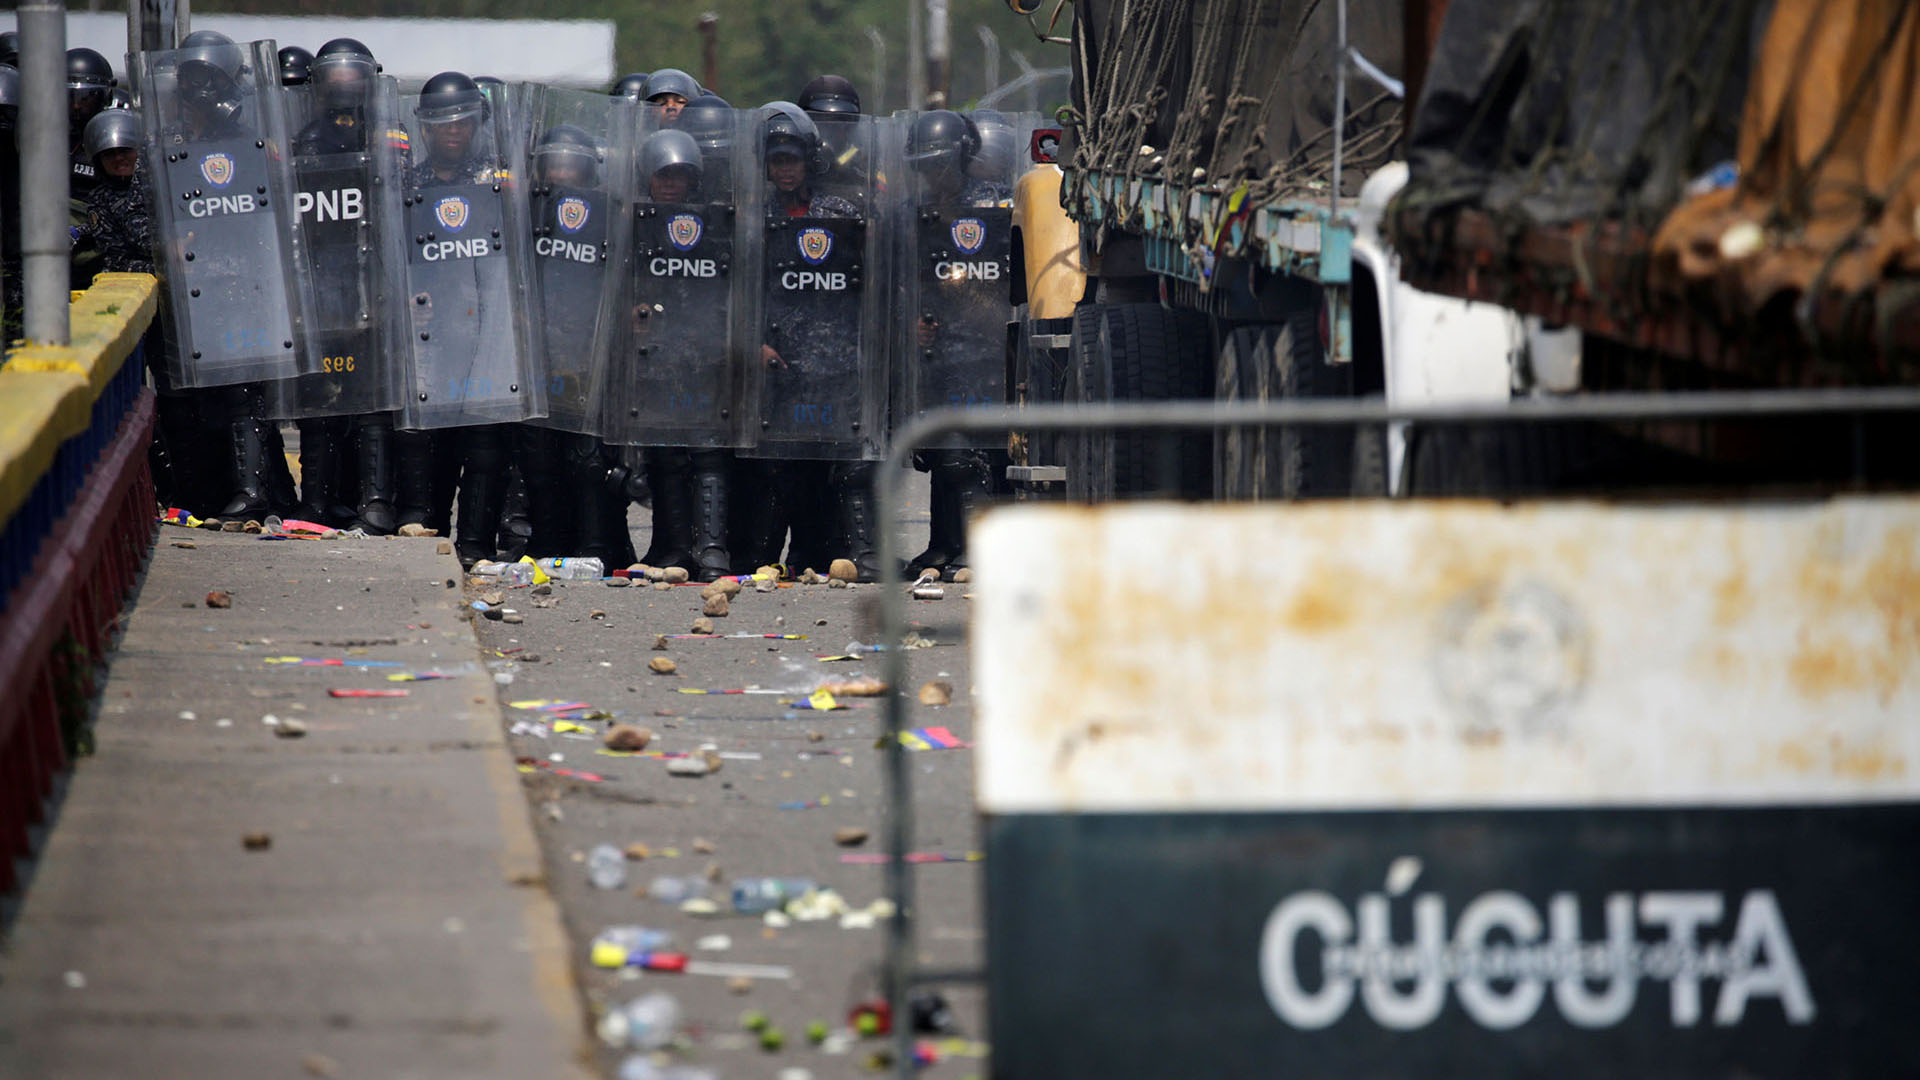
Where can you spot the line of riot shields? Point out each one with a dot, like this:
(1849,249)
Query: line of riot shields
(784,285)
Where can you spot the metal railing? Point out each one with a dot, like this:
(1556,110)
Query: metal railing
(902,970)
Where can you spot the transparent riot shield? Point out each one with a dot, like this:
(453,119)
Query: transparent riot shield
(468,265)
(348,155)
(223,211)
(578,156)
(818,388)
(690,297)
(955,270)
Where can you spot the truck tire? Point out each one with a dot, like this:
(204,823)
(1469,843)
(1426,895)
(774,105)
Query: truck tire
(1143,352)
(1314,462)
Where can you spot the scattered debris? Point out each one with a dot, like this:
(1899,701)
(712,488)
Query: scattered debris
(694,764)
(931,738)
(859,686)
(290,729)
(739,984)
(880,858)
(596,613)
(257,841)
(659,641)
(638,852)
(676,575)
(628,737)
(936,693)
(219,599)
(661,665)
(319,1065)
(929,592)
(725,586)
(850,836)
(703,846)
(415,529)
(715,606)
(837,583)
(513,618)
(186,545)
(765,584)
(703,625)
(444,547)
(962,576)
(843,570)
(618,583)
(816,736)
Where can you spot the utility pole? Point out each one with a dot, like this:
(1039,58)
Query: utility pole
(155,25)
(709,27)
(877,88)
(44,170)
(991,43)
(939,55)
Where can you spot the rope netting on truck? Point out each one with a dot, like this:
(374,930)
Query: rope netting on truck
(1733,181)
(1221,94)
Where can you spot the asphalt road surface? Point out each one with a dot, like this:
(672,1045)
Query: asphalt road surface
(591,643)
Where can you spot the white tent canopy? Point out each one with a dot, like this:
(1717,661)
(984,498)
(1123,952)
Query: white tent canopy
(571,52)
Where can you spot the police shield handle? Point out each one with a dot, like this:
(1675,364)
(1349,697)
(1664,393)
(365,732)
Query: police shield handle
(771,357)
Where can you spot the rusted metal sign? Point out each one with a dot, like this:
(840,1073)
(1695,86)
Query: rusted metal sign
(1451,789)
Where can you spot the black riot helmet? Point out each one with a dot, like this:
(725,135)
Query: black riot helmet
(113,129)
(89,83)
(673,81)
(450,96)
(210,67)
(566,155)
(941,141)
(633,86)
(9,99)
(999,145)
(830,94)
(710,122)
(296,65)
(344,71)
(672,149)
(789,130)
(489,80)
(10,48)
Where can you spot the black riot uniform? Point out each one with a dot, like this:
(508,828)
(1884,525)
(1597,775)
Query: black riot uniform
(211,106)
(561,474)
(685,178)
(940,147)
(346,462)
(431,464)
(794,343)
(90,84)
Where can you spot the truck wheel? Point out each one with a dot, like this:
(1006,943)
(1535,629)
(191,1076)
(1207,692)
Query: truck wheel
(1143,352)
(1314,462)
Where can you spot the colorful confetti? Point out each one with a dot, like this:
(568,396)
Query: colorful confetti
(931,738)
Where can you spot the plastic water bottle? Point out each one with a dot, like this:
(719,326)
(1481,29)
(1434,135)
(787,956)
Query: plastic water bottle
(606,867)
(677,890)
(588,569)
(751,896)
(645,1023)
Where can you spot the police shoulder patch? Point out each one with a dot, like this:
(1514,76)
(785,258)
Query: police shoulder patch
(815,245)
(683,231)
(218,169)
(969,234)
(452,212)
(572,213)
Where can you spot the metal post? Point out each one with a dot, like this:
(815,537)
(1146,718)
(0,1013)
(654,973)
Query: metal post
(44,170)
(709,27)
(916,59)
(877,88)
(939,55)
(991,43)
(153,26)
(1339,102)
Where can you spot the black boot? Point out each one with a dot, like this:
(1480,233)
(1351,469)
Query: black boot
(537,455)
(669,474)
(960,480)
(248,448)
(852,484)
(413,477)
(483,488)
(813,516)
(374,512)
(756,523)
(320,453)
(710,515)
(282,495)
(516,520)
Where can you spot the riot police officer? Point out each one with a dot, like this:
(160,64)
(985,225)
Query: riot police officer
(671,89)
(632,86)
(942,149)
(90,83)
(296,66)
(450,111)
(809,355)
